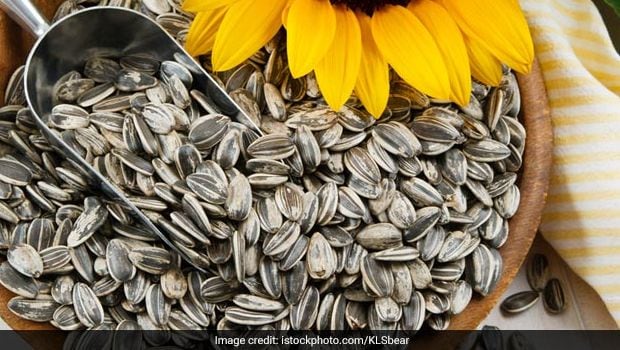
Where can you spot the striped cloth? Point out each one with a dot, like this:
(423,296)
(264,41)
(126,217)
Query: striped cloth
(582,74)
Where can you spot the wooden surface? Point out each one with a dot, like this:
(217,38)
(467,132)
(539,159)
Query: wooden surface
(534,181)
(15,43)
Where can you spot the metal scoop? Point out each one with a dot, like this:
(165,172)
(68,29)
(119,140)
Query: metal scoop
(101,31)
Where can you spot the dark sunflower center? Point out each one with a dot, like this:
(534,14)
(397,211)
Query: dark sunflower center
(369,6)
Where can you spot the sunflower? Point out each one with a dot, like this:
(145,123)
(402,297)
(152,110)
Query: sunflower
(434,45)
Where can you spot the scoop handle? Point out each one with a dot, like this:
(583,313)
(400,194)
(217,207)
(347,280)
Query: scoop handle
(27,15)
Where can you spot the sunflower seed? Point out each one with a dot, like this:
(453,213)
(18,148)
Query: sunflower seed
(356,315)
(26,260)
(413,313)
(337,236)
(54,258)
(360,163)
(208,188)
(273,146)
(88,308)
(520,302)
(289,200)
(14,173)
(553,296)
(245,317)
(454,166)
(70,90)
(321,258)
(294,254)
(431,127)
(421,192)
(377,277)
(101,69)
(173,284)
(205,132)
(95,94)
(257,303)
(508,203)
(274,101)
(269,216)
(64,317)
(439,322)
(486,267)
(327,197)
(436,303)
(157,306)
(379,237)
(294,282)
(238,252)
(395,138)
(268,270)
(134,162)
(152,260)
(91,219)
(16,282)
(315,120)
(304,313)
(387,309)
(401,211)
(117,258)
(37,310)
(538,272)
(159,118)
(426,218)
(486,150)
(131,80)
(460,297)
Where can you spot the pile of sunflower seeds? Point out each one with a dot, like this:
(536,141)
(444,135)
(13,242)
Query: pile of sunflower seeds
(541,284)
(330,220)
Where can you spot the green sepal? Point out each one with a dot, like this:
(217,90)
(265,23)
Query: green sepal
(615,4)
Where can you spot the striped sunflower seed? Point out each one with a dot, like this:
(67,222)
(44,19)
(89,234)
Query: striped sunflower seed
(538,272)
(37,310)
(14,173)
(88,308)
(520,302)
(553,296)
(26,260)
(17,283)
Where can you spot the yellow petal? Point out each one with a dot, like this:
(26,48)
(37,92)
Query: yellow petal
(337,72)
(205,5)
(484,66)
(499,26)
(451,45)
(410,49)
(287,8)
(247,26)
(373,82)
(310,30)
(202,32)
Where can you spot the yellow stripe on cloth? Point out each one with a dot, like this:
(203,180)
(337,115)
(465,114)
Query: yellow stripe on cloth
(581,69)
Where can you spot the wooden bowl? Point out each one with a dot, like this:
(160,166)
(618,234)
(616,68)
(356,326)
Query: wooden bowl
(14,47)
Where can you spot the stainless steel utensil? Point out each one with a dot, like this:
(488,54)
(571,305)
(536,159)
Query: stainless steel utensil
(101,31)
